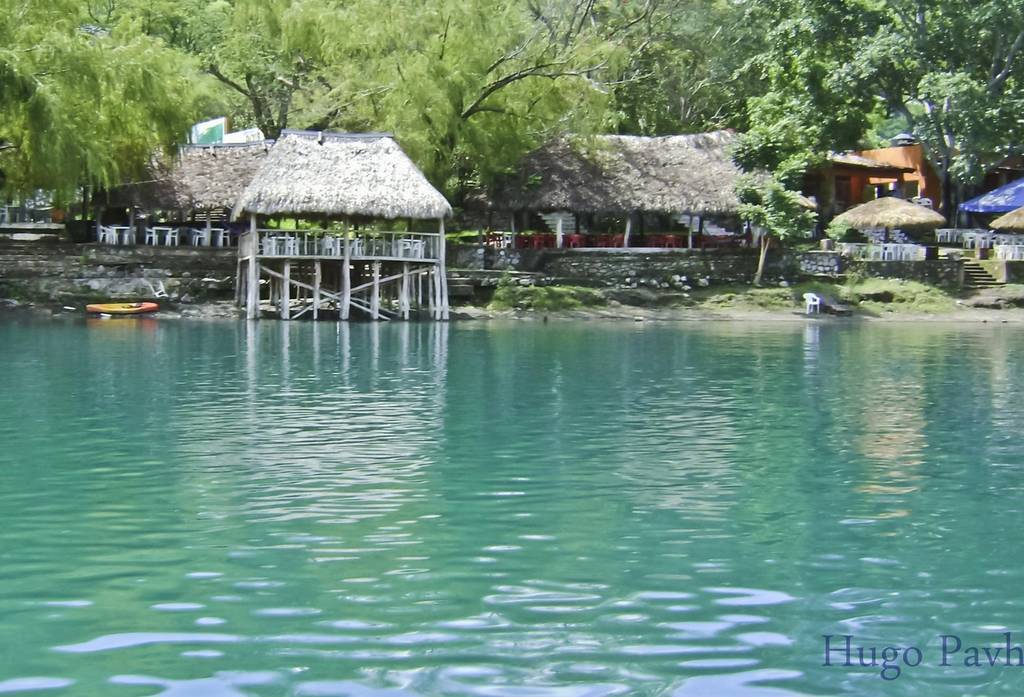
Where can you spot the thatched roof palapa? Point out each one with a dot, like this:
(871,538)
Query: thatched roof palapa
(620,174)
(202,177)
(340,174)
(890,212)
(1014,220)
(217,175)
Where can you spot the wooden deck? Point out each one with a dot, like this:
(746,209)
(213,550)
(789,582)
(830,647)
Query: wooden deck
(382,275)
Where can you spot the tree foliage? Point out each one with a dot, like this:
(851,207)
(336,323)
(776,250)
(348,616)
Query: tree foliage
(79,102)
(950,70)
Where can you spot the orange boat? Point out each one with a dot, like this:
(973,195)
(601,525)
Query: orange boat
(122,308)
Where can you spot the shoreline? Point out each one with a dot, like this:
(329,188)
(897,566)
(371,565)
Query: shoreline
(227,311)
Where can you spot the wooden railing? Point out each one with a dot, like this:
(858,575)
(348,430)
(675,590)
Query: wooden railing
(361,245)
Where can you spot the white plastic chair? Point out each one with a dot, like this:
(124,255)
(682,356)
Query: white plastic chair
(221,237)
(152,237)
(172,236)
(200,237)
(330,246)
(410,248)
(290,246)
(812,303)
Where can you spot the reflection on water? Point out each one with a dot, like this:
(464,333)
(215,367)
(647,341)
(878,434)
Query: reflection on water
(484,509)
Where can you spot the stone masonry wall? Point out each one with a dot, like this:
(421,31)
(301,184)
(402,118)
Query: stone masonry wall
(697,267)
(72,273)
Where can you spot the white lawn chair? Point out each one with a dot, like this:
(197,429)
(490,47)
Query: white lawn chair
(221,237)
(152,237)
(812,303)
(200,237)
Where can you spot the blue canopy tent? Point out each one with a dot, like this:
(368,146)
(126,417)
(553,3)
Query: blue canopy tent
(1006,198)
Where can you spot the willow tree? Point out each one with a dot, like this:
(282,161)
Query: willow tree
(79,103)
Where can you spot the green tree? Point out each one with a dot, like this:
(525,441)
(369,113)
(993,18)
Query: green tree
(80,103)
(951,69)
(766,203)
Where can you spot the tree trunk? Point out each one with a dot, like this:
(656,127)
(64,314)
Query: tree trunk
(765,243)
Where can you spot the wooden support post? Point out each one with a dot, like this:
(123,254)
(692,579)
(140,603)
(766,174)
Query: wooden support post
(443,276)
(558,231)
(432,292)
(629,225)
(375,298)
(689,232)
(317,271)
(131,223)
(209,230)
(346,279)
(403,293)
(286,291)
(252,285)
(239,281)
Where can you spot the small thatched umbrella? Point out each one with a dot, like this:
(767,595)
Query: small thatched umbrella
(1014,220)
(890,212)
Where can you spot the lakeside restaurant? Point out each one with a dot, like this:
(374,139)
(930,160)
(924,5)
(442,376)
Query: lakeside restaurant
(614,191)
(185,202)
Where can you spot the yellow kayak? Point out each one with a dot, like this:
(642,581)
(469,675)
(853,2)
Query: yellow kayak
(122,308)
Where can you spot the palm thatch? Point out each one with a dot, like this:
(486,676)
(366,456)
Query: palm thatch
(340,174)
(217,175)
(1014,220)
(202,177)
(156,189)
(890,212)
(620,174)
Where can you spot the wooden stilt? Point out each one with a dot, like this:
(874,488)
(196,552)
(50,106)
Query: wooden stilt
(558,232)
(442,274)
(286,291)
(375,298)
(403,294)
(431,293)
(346,280)
(252,286)
(317,272)
(239,283)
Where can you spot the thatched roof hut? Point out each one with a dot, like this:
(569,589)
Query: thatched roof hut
(340,174)
(202,177)
(890,212)
(620,174)
(1014,220)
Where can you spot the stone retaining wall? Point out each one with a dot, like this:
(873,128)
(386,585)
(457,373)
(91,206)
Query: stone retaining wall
(71,273)
(677,268)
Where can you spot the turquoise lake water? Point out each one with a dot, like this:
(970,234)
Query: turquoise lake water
(232,509)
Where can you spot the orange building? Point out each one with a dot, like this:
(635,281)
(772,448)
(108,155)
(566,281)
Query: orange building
(919,179)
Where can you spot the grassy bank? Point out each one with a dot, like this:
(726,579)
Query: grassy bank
(873,296)
(868,297)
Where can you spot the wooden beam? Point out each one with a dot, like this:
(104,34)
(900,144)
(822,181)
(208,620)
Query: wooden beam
(286,291)
(317,271)
(629,225)
(346,278)
(558,231)
(403,293)
(443,275)
(252,306)
(375,297)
